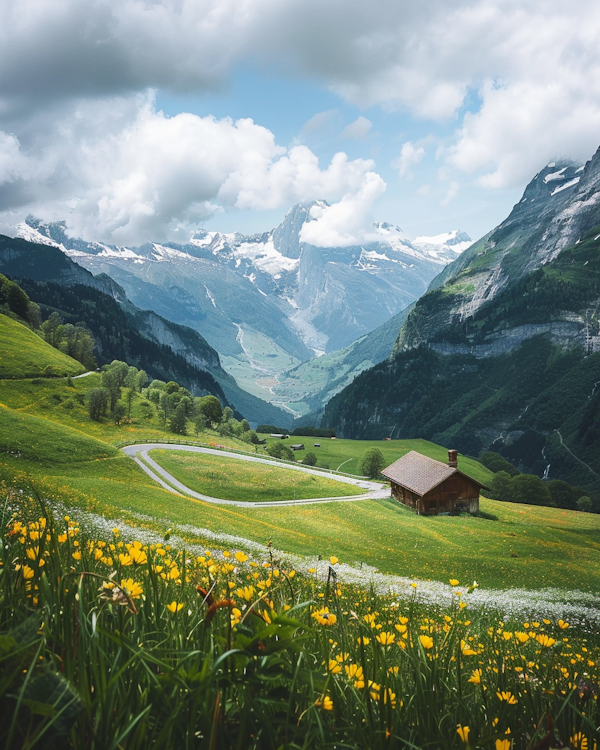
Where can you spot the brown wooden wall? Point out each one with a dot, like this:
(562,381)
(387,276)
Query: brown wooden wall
(455,493)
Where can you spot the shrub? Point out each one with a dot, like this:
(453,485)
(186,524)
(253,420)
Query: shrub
(280,450)
(372,463)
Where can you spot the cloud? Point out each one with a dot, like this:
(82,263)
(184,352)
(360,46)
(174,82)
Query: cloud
(522,126)
(519,83)
(343,224)
(122,172)
(410,156)
(357,129)
(451,193)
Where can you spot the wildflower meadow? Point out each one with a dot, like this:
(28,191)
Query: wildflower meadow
(109,641)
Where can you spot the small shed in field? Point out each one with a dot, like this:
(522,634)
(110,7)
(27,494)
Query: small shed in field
(430,487)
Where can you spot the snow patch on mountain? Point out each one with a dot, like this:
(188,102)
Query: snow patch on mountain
(266,258)
(444,247)
(120,252)
(555,175)
(569,184)
(26,232)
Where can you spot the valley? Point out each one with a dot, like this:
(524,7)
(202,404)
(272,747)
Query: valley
(50,443)
(269,302)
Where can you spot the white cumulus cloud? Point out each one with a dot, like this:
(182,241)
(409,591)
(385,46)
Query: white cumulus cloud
(343,223)
(514,84)
(133,174)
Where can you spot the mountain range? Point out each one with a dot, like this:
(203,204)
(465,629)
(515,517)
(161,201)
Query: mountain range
(166,350)
(503,351)
(269,302)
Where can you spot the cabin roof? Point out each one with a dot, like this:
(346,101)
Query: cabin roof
(419,473)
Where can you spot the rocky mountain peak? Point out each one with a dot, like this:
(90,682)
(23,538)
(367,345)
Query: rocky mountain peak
(286,236)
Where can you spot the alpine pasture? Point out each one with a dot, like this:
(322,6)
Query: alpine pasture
(133,616)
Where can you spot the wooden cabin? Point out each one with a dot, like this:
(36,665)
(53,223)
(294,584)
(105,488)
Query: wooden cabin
(431,487)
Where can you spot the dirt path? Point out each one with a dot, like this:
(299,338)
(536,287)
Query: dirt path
(139,453)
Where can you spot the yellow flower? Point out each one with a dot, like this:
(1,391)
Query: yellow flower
(28,572)
(502,744)
(466,649)
(174,573)
(334,666)
(507,636)
(175,607)
(545,641)
(246,593)
(579,741)
(507,696)
(354,672)
(475,677)
(333,560)
(363,639)
(125,559)
(325,703)
(324,616)
(385,638)
(454,582)
(426,641)
(563,625)
(137,555)
(241,557)
(522,637)
(131,588)
(463,733)
(76,555)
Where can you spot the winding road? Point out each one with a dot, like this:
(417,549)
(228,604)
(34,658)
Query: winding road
(139,453)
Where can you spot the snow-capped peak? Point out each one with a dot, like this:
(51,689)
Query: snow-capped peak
(26,232)
(447,245)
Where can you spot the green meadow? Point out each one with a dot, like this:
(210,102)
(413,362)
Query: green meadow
(232,479)
(346,455)
(49,442)
(26,355)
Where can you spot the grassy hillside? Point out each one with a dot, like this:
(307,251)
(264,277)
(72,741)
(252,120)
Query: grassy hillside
(346,455)
(49,440)
(26,355)
(511,545)
(42,442)
(231,479)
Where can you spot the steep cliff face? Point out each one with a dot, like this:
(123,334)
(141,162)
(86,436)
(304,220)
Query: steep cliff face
(504,349)
(559,207)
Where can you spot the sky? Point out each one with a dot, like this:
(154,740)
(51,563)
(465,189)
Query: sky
(145,120)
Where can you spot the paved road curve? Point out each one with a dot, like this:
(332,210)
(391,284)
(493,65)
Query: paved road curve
(139,453)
